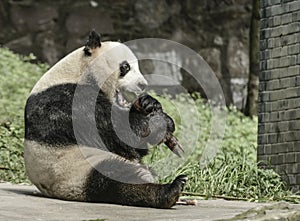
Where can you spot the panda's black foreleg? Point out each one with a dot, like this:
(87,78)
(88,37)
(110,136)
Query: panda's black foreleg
(148,120)
(103,189)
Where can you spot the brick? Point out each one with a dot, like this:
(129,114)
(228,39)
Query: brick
(290,158)
(294,6)
(292,179)
(262,86)
(274,10)
(293,103)
(293,60)
(263,4)
(287,18)
(293,168)
(268,149)
(285,40)
(267,75)
(275,21)
(263,66)
(261,128)
(294,125)
(297,81)
(287,82)
(265,96)
(298,178)
(264,23)
(263,44)
(263,117)
(282,147)
(291,114)
(275,32)
(274,2)
(291,92)
(275,53)
(297,155)
(284,61)
(277,159)
(265,107)
(283,126)
(262,139)
(292,71)
(289,136)
(283,104)
(270,43)
(260,150)
(274,63)
(296,16)
(278,42)
(272,85)
(263,158)
(274,116)
(293,49)
(290,28)
(272,138)
(277,95)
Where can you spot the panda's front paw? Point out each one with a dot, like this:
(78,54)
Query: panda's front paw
(172,192)
(147,104)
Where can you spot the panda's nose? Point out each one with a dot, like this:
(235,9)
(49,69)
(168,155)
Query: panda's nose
(142,85)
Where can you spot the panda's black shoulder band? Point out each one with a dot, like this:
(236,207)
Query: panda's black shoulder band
(93,42)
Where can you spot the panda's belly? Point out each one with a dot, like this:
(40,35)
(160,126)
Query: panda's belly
(60,172)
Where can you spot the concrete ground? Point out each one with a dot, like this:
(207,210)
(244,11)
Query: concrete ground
(20,202)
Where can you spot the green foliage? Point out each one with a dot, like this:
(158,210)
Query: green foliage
(234,172)
(17,77)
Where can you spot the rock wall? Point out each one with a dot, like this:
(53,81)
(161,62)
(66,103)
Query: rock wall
(216,29)
(279,88)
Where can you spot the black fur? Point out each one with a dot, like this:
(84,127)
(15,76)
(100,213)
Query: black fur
(147,194)
(50,117)
(93,42)
(51,114)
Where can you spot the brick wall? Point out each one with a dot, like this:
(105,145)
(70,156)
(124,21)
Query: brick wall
(279,88)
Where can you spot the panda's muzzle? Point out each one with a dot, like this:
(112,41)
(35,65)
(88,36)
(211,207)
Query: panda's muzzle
(142,86)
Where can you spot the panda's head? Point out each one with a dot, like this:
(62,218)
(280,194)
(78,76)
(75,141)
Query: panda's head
(114,67)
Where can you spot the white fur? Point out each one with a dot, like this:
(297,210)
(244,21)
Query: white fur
(103,66)
(62,171)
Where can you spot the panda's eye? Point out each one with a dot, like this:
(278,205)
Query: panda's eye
(124,68)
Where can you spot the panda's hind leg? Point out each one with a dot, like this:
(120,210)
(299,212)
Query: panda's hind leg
(136,190)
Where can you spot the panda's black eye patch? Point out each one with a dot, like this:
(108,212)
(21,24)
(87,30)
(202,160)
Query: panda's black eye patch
(124,68)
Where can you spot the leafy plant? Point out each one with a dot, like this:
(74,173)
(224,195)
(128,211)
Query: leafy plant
(17,77)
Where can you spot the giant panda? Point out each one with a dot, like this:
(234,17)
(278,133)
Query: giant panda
(88,123)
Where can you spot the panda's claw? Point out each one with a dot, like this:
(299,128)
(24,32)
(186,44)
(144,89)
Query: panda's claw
(180,181)
(147,104)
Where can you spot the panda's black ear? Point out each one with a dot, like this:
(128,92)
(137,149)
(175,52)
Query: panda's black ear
(93,42)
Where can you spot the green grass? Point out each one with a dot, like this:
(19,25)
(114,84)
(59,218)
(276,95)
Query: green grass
(232,173)
(17,77)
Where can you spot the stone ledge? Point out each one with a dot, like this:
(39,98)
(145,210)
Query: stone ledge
(280,211)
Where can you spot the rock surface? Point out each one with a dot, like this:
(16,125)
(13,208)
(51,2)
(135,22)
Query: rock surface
(51,29)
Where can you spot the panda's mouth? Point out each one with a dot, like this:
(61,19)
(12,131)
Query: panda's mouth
(121,101)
